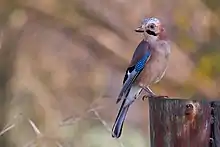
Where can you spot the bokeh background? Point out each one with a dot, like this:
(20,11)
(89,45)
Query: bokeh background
(62,63)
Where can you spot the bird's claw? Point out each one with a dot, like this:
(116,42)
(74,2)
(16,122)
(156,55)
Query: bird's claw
(148,96)
(162,96)
(145,97)
(152,96)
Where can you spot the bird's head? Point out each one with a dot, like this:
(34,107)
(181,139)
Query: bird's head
(151,28)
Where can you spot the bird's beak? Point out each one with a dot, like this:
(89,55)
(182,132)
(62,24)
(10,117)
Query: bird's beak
(139,29)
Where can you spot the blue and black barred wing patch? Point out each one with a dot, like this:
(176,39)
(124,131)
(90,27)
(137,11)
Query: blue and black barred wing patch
(131,74)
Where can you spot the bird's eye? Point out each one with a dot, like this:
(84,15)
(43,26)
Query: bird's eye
(151,26)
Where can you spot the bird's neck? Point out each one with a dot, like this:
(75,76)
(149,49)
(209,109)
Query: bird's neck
(154,39)
(162,35)
(151,39)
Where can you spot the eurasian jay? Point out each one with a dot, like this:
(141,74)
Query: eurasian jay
(148,66)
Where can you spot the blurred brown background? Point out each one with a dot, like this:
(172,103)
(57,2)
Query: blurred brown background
(62,65)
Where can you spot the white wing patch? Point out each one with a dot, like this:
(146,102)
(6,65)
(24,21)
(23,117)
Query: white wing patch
(128,73)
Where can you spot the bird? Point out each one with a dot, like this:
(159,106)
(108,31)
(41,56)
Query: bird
(147,66)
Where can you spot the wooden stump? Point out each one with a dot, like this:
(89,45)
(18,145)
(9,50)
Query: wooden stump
(184,123)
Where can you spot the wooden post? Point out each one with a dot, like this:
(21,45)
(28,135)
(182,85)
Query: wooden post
(184,123)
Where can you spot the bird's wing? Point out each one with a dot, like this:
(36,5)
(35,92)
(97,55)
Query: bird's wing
(140,57)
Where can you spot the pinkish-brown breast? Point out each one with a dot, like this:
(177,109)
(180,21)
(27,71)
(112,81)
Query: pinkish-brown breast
(156,66)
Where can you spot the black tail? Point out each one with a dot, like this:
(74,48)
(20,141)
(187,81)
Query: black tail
(118,125)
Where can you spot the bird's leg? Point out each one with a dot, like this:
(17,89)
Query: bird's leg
(151,94)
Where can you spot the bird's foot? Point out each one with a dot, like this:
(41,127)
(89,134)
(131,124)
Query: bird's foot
(162,96)
(154,96)
(144,97)
(148,96)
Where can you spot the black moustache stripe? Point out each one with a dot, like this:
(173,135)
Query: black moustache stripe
(151,33)
(148,31)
